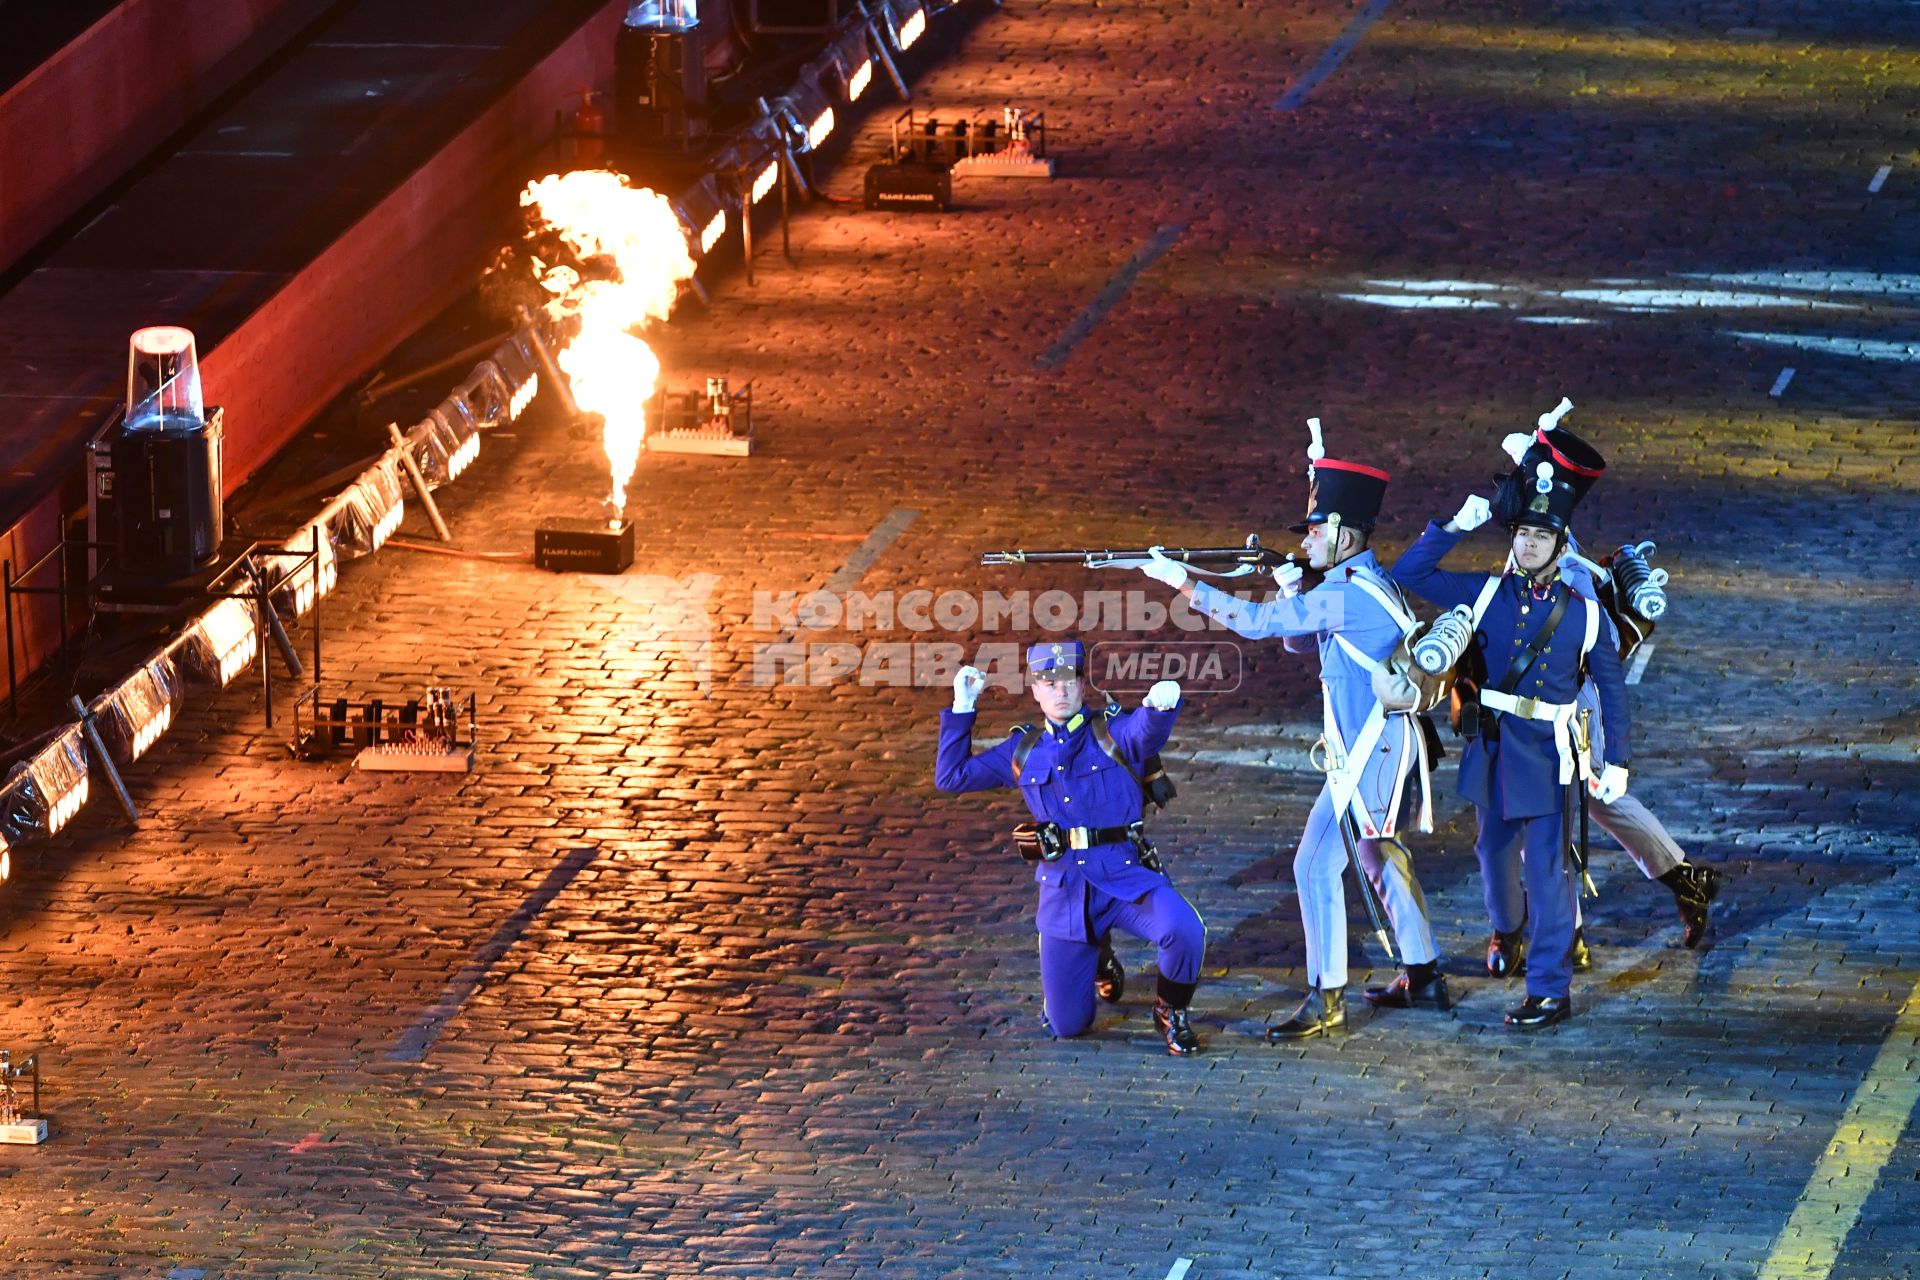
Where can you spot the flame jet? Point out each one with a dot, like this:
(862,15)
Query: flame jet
(633,243)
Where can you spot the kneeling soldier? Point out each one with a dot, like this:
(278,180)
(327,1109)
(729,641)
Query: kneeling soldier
(1081,777)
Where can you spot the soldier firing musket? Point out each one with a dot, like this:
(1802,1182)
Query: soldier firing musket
(1374,757)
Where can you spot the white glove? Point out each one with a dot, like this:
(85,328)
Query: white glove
(1161,569)
(967,685)
(1610,785)
(1163,696)
(1473,513)
(1288,575)
(1515,446)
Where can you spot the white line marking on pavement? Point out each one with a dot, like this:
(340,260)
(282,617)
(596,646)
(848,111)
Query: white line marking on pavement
(1083,324)
(1780,383)
(418,1039)
(1179,1268)
(1879,179)
(1640,661)
(884,535)
(1809,1244)
(1296,94)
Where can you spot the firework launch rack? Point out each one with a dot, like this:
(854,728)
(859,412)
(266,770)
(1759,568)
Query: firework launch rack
(389,737)
(1009,144)
(21,1122)
(717,421)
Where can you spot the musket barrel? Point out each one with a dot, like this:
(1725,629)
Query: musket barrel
(1108,555)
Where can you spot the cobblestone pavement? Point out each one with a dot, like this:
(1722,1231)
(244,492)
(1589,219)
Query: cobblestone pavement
(781,1017)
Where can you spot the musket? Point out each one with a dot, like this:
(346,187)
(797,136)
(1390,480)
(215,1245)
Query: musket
(1222,562)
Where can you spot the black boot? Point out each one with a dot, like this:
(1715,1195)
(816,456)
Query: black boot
(1581,956)
(1507,954)
(1109,978)
(1417,984)
(1694,889)
(1172,1023)
(1323,1012)
(1540,1011)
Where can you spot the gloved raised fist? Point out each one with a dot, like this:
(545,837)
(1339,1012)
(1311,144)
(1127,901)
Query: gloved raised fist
(1288,575)
(1163,696)
(967,684)
(1473,513)
(1161,569)
(1610,785)
(1516,445)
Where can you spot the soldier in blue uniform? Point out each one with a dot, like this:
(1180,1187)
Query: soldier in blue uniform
(1518,769)
(1643,836)
(1080,775)
(1376,760)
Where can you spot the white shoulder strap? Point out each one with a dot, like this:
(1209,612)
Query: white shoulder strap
(1593,624)
(1486,598)
(1353,651)
(1387,596)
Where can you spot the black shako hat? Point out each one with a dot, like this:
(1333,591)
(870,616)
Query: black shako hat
(1352,491)
(1544,500)
(1574,463)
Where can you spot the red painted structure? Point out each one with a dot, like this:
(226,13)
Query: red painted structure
(84,116)
(289,306)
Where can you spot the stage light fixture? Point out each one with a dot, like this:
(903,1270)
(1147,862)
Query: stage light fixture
(820,129)
(488,398)
(370,508)
(141,707)
(764,180)
(702,210)
(55,783)
(453,430)
(520,374)
(229,637)
(463,456)
(853,60)
(806,113)
(311,581)
(908,19)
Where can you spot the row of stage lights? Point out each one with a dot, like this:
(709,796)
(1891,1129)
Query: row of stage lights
(41,795)
(800,121)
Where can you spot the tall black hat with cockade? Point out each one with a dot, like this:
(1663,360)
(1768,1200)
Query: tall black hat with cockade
(1572,462)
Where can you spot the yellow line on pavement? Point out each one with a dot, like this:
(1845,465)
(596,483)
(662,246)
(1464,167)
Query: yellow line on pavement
(1808,1245)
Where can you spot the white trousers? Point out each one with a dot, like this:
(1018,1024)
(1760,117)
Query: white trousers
(1318,868)
(1626,819)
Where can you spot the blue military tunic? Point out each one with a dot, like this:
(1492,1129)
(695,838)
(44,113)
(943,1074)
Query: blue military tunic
(1334,610)
(1068,779)
(1519,777)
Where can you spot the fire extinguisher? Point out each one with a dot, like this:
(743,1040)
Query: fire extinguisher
(588,129)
